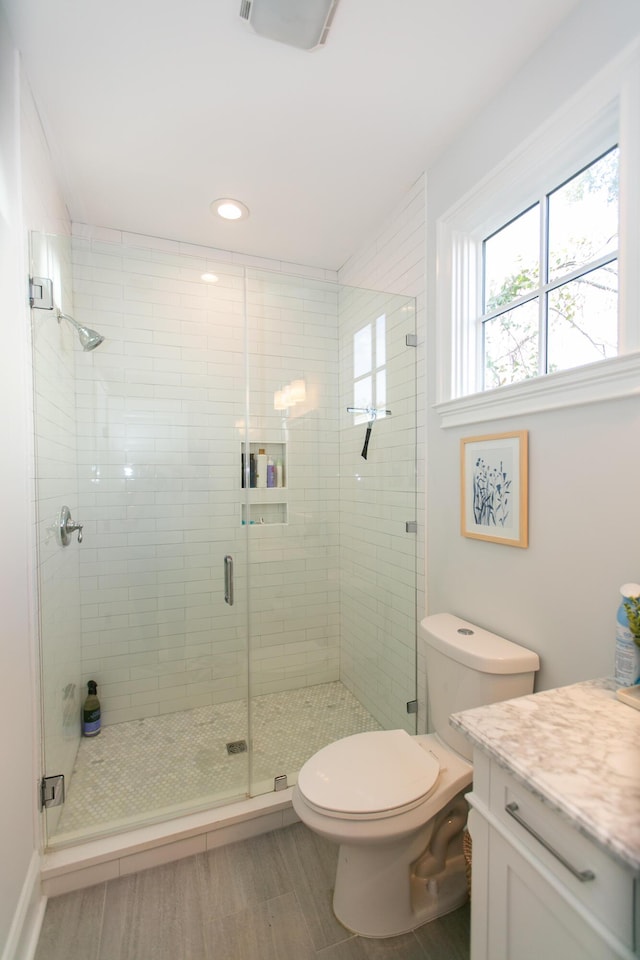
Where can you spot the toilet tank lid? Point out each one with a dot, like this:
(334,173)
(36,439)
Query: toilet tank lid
(476,648)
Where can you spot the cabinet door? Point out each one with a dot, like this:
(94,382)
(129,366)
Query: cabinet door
(527,919)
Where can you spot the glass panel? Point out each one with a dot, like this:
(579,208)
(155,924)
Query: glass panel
(511,260)
(155,431)
(511,351)
(583,217)
(583,319)
(333,619)
(377,562)
(56,485)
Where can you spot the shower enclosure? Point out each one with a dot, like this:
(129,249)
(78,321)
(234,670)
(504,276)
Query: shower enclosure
(245,588)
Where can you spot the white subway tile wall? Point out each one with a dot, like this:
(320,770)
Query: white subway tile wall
(293,581)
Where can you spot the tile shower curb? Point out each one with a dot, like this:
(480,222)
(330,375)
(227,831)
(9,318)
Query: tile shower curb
(86,864)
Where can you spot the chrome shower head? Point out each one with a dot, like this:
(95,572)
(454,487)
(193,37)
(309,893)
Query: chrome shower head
(89,339)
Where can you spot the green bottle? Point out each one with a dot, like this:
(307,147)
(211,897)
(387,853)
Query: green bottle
(91,711)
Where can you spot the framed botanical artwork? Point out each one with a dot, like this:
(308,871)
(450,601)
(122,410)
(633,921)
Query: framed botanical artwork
(494,488)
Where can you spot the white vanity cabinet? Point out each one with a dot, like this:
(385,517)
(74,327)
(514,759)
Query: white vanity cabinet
(541,890)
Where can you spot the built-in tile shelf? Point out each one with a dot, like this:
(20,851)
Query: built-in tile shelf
(264,504)
(261,512)
(260,453)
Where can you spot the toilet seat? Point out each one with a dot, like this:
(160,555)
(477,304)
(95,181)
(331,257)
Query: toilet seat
(369,776)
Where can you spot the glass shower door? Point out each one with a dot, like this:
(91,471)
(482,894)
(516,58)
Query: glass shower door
(141,438)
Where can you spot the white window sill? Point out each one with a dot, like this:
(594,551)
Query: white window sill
(604,380)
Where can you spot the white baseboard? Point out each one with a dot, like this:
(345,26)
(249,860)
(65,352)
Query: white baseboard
(27,920)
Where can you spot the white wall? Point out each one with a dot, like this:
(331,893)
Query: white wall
(29,198)
(17,840)
(559,596)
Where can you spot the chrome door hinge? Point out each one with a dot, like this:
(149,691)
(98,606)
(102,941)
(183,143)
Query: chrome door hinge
(411,526)
(280,782)
(412,706)
(41,293)
(411,339)
(52,791)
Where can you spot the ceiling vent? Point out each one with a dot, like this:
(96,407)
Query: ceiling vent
(303,25)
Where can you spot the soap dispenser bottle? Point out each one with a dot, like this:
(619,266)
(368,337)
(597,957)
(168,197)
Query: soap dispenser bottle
(627,665)
(91,711)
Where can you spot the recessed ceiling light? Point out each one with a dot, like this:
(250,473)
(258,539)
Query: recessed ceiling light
(230,209)
(209,278)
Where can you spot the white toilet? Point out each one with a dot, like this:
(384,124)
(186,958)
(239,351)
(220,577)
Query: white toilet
(395,802)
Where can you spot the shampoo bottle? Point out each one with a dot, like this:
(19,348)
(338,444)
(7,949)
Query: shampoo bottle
(261,479)
(279,474)
(271,473)
(627,667)
(91,711)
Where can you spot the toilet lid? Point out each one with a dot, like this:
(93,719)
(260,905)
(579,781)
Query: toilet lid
(369,773)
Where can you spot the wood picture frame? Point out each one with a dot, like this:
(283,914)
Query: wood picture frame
(494,488)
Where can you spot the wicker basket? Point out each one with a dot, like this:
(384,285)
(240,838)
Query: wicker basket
(466,849)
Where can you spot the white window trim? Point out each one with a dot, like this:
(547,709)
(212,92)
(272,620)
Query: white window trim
(607,110)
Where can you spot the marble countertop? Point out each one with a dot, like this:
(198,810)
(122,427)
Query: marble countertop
(578,749)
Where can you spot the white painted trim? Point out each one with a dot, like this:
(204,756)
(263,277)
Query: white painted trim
(585,123)
(605,380)
(27,920)
(629,226)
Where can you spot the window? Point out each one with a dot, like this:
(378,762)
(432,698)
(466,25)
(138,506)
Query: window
(369,373)
(538,292)
(550,281)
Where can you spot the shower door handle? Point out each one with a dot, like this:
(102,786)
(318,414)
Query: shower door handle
(228,580)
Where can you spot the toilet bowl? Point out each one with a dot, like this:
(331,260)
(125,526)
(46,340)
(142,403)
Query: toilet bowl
(395,802)
(395,805)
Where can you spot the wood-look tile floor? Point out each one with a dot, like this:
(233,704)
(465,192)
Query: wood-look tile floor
(268,898)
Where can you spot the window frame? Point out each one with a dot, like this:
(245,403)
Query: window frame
(604,113)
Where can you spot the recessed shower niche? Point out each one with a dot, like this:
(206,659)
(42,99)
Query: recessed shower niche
(264,474)
(319,641)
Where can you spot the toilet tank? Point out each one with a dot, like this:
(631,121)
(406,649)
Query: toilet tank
(469,667)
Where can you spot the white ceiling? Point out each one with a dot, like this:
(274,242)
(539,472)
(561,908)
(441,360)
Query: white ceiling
(154,108)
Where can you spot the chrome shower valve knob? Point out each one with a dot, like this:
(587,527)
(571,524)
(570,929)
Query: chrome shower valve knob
(66,527)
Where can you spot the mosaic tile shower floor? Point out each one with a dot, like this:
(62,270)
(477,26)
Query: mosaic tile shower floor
(178,762)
